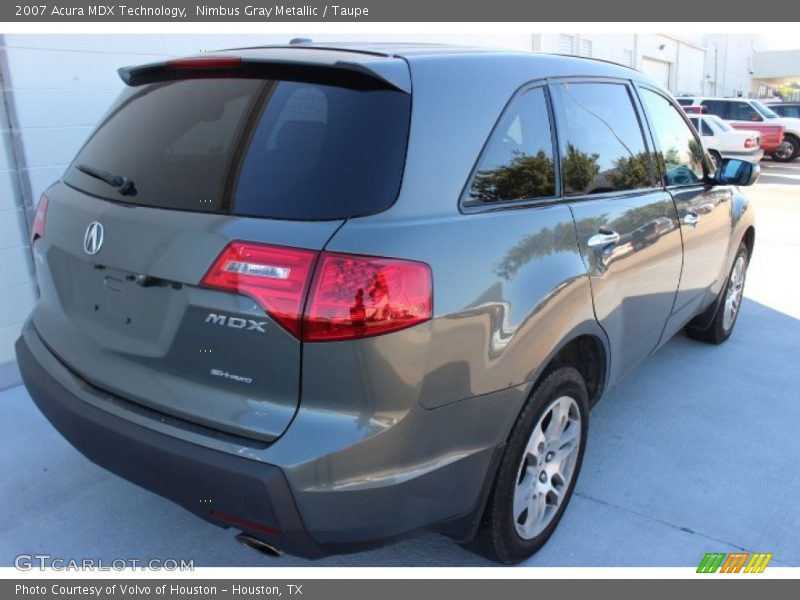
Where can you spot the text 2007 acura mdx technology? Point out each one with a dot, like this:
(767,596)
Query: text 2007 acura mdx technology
(331,295)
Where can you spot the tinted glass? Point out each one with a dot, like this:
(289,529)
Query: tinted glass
(787,111)
(605,149)
(518,161)
(701,126)
(723,125)
(680,152)
(278,149)
(764,110)
(742,111)
(685,101)
(717,107)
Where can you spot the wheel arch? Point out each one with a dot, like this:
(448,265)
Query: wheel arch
(587,351)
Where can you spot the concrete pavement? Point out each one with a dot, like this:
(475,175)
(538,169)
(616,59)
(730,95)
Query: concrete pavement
(695,452)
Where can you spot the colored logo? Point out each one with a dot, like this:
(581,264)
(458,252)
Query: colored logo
(738,562)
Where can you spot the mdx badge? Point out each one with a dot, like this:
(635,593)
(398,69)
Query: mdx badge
(236,322)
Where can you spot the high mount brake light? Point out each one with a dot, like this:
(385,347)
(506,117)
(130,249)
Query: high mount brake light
(350,296)
(204,62)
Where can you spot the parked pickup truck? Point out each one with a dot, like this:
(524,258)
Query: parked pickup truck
(752,115)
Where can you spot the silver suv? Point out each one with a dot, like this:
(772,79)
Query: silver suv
(331,295)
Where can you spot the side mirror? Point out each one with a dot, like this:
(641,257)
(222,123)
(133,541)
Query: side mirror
(732,171)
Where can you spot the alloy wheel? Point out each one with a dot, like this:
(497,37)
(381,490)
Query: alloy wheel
(547,467)
(733,295)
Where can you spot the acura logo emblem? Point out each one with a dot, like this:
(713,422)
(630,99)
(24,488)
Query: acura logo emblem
(93,238)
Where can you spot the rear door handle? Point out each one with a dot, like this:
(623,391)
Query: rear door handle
(603,238)
(691,219)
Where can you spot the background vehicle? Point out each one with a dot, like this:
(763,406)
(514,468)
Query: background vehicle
(742,112)
(723,141)
(785,109)
(277,306)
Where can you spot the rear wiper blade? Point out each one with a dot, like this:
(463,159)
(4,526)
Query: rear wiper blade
(124,185)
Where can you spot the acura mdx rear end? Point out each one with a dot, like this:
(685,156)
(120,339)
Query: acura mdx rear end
(296,291)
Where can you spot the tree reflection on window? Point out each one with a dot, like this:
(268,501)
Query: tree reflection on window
(525,176)
(518,162)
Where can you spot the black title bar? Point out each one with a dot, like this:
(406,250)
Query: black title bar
(255,11)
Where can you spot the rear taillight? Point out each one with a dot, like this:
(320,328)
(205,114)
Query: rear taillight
(750,143)
(351,296)
(37,229)
(359,296)
(274,276)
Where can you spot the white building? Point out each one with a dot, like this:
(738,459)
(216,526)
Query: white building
(699,64)
(56,87)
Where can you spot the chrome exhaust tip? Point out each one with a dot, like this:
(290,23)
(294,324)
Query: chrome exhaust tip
(258,545)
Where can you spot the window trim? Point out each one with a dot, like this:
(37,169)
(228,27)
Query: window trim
(681,113)
(556,198)
(643,128)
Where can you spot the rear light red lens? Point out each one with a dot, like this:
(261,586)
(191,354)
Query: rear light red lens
(274,276)
(359,296)
(37,229)
(205,62)
(351,296)
(749,143)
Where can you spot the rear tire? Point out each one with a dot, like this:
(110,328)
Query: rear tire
(538,471)
(716,159)
(728,307)
(791,153)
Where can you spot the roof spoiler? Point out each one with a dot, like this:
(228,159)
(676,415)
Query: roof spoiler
(364,74)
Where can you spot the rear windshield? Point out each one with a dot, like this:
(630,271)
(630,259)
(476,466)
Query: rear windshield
(250,147)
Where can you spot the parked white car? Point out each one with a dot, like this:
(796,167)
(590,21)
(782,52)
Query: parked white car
(723,141)
(756,112)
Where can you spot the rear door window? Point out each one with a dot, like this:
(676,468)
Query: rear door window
(253,147)
(604,149)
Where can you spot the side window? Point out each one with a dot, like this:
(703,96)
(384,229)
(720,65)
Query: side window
(717,107)
(604,149)
(695,122)
(742,111)
(680,153)
(706,130)
(517,163)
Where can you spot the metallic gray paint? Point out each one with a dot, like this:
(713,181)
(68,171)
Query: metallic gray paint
(382,435)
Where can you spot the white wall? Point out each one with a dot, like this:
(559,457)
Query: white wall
(16,289)
(56,88)
(734,63)
(691,58)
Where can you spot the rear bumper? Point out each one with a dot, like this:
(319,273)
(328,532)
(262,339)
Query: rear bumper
(300,504)
(751,155)
(218,487)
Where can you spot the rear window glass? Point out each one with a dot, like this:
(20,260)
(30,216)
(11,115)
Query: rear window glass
(251,147)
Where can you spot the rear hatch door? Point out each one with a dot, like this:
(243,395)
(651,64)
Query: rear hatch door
(178,170)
